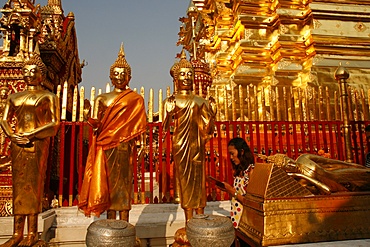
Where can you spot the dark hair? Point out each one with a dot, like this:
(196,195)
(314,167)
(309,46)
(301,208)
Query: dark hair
(367,128)
(245,155)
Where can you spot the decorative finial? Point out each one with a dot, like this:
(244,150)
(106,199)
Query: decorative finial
(192,9)
(341,72)
(183,54)
(121,50)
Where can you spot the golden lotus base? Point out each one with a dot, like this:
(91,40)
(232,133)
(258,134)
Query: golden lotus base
(302,219)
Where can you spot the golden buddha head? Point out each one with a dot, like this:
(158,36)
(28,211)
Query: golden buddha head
(120,71)
(182,73)
(34,70)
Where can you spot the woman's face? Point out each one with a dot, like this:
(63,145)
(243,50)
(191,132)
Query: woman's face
(233,154)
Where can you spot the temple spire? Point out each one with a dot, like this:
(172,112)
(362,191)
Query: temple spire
(121,50)
(183,54)
(55,3)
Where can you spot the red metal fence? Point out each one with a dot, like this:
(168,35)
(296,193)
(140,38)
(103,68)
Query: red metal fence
(154,178)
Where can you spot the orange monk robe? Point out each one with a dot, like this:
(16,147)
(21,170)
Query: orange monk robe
(124,120)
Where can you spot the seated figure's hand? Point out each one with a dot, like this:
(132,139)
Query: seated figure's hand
(228,188)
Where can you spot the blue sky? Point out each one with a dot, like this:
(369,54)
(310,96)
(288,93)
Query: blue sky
(148,28)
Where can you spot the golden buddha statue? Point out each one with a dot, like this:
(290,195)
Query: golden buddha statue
(323,175)
(193,126)
(119,122)
(37,117)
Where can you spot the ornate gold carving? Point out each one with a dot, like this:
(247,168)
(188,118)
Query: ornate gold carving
(6,205)
(360,27)
(272,219)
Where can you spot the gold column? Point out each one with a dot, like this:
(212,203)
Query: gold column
(225,104)
(82,98)
(150,105)
(341,75)
(92,100)
(233,105)
(160,105)
(74,105)
(241,103)
(64,101)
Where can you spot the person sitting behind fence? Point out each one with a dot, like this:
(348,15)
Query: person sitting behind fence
(242,161)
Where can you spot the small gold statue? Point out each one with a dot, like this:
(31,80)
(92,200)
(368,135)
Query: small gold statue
(54,202)
(119,120)
(37,118)
(193,127)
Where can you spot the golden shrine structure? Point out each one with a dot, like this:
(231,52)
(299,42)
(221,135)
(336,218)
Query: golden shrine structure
(24,26)
(264,62)
(260,51)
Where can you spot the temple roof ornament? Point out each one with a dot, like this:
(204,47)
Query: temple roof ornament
(25,25)
(53,7)
(341,73)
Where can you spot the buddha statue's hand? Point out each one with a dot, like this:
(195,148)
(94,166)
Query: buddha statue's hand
(170,104)
(93,123)
(19,139)
(28,135)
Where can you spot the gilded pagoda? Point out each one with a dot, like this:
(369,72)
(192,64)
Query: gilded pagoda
(260,51)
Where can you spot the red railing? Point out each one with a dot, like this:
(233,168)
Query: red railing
(154,178)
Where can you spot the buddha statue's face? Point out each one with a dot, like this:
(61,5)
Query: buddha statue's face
(120,77)
(185,79)
(32,75)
